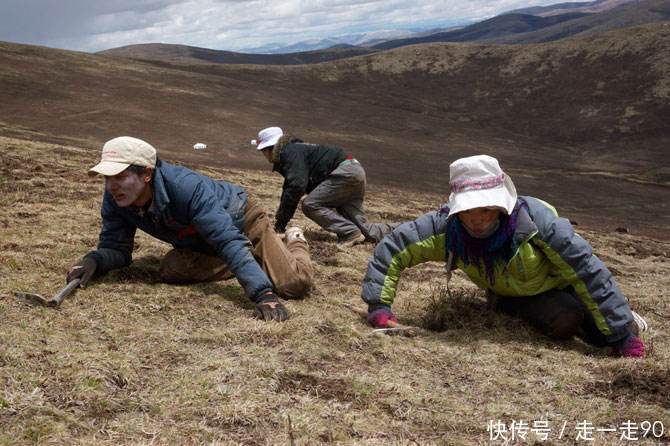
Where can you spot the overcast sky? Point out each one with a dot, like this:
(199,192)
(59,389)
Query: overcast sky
(94,25)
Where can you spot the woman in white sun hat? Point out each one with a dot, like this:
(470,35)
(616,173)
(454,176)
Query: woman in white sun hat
(530,261)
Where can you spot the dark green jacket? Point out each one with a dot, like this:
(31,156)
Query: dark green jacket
(303,166)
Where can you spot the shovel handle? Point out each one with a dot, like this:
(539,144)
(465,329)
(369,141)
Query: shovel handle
(393,324)
(62,294)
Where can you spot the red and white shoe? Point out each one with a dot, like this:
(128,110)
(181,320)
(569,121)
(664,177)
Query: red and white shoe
(640,322)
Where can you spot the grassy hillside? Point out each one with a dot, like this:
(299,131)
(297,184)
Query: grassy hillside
(133,361)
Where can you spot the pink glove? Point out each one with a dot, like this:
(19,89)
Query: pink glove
(631,347)
(380,317)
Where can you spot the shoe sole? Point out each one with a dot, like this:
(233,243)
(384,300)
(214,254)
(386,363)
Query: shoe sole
(641,323)
(349,243)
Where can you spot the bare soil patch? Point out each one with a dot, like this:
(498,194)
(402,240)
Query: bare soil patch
(629,386)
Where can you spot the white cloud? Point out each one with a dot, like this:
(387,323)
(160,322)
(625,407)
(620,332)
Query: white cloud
(90,25)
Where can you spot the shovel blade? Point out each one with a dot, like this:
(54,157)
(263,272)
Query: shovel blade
(408,332)
(35,299)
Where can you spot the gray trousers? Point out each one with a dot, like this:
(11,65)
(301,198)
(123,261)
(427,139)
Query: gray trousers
(559,314)
(337,204)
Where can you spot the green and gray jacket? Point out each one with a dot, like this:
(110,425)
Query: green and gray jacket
(547,255)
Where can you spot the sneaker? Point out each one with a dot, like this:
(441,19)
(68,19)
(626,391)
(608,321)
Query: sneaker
(294,233)
(642,325)
(351,241)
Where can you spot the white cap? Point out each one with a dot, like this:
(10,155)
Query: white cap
(267,137)
(121,152)
(478,181)
(200,146)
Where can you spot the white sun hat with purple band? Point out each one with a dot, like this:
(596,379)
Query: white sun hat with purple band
(478,181)
(267,137)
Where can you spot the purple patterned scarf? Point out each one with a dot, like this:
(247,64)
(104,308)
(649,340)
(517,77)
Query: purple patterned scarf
(486,252)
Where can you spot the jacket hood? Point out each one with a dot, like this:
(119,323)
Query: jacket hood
(283,142)
(525,227)
(160,198)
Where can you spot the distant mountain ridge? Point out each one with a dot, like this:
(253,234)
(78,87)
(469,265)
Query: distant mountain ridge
(519,28)
(562,8)
(356,39)
(509,28)
(489,30)
(191,54)
(628,14)
(376,38)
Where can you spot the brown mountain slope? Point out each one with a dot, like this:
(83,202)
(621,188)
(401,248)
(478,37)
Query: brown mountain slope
(575,122)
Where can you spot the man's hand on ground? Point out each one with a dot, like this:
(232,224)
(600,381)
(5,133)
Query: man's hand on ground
(84,269)
(269,308)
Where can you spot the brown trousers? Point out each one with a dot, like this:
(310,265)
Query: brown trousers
(288,265)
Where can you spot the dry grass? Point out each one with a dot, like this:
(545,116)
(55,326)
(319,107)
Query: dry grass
(132,361)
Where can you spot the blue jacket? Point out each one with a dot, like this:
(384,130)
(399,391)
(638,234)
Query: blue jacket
(188,210)
(548,254)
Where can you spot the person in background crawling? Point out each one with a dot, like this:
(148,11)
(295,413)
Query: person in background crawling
(531,262)
(216,229)
(333,180)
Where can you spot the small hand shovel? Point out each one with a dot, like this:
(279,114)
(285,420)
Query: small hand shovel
(37,299)
(392,328)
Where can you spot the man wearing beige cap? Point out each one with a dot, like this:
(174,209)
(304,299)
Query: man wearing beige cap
(216,230)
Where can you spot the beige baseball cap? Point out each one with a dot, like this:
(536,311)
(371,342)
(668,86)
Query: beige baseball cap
(121,152)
